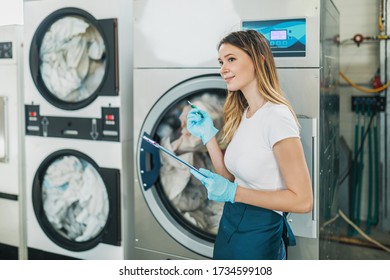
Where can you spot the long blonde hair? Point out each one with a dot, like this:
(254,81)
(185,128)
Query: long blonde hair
(256,46)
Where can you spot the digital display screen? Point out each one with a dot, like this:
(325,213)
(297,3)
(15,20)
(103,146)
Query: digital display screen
(278,35)
(286,37)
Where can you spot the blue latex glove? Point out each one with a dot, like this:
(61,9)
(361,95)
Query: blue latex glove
(218,188)
(200,124)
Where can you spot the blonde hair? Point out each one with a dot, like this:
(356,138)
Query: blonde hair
(256,46)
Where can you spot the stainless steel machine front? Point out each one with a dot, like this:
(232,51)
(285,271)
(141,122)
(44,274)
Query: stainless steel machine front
(304,39)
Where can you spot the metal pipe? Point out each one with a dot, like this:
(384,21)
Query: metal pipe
(370,186)
(354,170)
(376,172)
(361,167)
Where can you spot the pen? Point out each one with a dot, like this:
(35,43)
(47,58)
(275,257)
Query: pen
(192,105)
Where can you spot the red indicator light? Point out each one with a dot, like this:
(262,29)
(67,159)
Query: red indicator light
(110,117)
(32,114)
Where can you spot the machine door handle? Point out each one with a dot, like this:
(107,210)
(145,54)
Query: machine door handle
(3,129)
(149,164)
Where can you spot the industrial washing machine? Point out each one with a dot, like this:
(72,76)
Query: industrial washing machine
(78,130)
(175,61)
(173,64)
(12,225)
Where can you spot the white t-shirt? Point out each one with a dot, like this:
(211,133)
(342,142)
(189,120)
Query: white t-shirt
(249,156)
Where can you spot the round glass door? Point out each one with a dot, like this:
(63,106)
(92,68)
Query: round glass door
(177,199)
(184,195)
(68,58)
(70,200)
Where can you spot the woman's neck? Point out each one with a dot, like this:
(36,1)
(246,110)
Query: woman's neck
(255,101)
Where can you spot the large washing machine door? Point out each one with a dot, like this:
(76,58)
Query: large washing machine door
(76,202)
(73,58)
(177,199)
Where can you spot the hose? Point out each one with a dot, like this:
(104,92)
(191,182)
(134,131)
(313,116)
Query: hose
(354,170)
(369,90)
(342,215)
(370,187)
(376,173)
(361,166)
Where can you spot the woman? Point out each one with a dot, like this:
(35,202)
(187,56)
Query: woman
(263,172)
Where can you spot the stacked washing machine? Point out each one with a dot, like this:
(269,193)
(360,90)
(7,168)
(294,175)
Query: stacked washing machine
(78,127)
(175,61)
(11,154)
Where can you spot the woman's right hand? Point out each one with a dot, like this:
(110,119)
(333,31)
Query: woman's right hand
(200,124)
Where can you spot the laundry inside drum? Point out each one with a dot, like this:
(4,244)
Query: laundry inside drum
(75,199)
(186,195)
(72,59)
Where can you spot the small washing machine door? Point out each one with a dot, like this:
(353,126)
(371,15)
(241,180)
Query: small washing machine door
(76,202)
(73,58)
(177,199)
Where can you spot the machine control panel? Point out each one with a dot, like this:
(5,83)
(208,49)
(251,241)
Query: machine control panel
(110,122)
(286,37)
(105,128)
(5,50)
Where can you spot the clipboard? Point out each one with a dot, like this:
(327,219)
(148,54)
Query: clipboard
(158,146)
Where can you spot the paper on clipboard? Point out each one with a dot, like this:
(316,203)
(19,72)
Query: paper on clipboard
(155,144)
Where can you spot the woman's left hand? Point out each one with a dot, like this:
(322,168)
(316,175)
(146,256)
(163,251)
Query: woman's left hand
(218,188)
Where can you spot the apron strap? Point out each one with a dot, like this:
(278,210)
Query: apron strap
(288,235)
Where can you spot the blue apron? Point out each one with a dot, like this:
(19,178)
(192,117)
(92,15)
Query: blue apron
(248,232)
